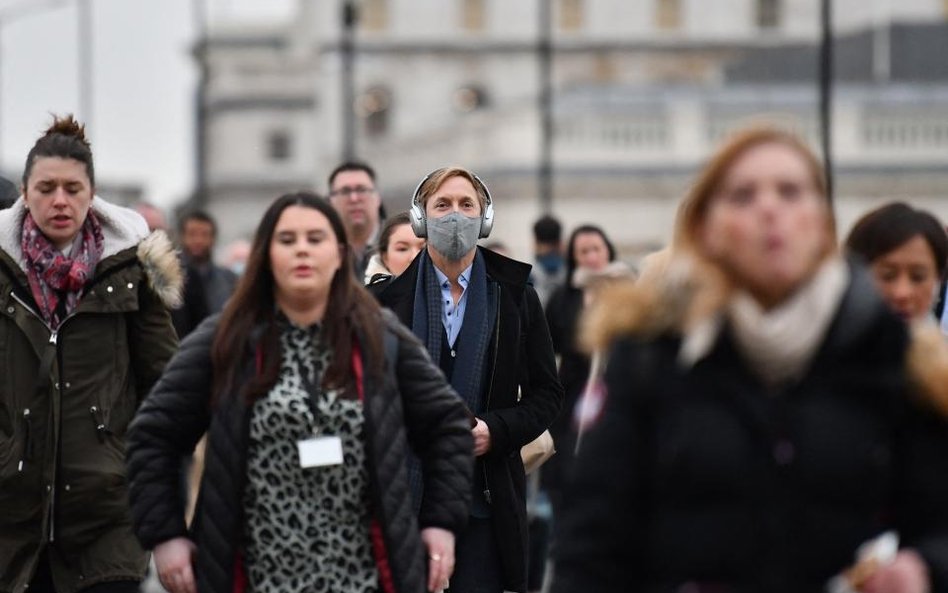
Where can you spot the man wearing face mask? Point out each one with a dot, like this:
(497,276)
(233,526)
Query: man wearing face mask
(483,324)
(550,269)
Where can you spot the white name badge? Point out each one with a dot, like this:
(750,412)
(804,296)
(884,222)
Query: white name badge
(320,451)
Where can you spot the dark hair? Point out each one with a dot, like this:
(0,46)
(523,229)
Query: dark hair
(392,223)
(887,228)
(571,248)
(200,216)
(352,166)
(8,193)
(547,230)
(351,314)
(65,139)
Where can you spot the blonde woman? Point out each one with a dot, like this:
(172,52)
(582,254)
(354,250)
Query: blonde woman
(759,421)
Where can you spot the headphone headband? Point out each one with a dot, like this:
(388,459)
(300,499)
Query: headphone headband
(419,222)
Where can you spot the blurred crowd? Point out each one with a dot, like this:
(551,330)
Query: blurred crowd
(349,401)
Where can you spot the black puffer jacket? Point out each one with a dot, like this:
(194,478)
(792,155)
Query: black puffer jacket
(700,479)
(413,406)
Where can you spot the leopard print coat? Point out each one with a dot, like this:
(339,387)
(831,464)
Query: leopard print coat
(307,529)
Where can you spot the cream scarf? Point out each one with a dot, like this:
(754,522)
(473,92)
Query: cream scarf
(778,344)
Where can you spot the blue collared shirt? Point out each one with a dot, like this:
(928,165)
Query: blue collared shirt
(452,316)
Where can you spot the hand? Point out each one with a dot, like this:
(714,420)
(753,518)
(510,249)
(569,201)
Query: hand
(906,574)
(173,563)
(440,545)
(481,438)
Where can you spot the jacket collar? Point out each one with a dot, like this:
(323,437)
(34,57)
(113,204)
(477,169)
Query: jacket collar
(121,228)
(501,269)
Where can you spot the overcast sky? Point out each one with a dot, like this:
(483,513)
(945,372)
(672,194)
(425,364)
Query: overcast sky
(143,89)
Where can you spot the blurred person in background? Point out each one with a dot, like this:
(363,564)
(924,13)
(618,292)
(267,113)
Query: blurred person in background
(762,415)
(153,215)
(311,396)
(397,247)
(907,252)
(84,334)
(549,271)
(8,193)
(355,197)
(483,325)
(589,255)
(236,255)
(198,234)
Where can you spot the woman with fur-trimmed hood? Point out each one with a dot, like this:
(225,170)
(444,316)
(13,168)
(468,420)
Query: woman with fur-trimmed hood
(84,333)
(765,414)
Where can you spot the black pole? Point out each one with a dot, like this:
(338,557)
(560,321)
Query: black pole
(826,93)
(545,106)
(347,47)
(200,113)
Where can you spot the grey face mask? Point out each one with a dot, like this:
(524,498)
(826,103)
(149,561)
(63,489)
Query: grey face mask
(453,235)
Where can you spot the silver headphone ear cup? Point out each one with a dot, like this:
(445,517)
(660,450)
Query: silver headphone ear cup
(418,223)
(417,212)
(487,217)
(487,221)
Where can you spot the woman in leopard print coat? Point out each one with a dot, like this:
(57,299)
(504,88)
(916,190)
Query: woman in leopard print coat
(301,357)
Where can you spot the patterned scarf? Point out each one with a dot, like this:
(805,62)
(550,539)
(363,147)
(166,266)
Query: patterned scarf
(54,277)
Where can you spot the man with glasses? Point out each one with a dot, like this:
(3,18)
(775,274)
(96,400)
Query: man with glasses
(353,194)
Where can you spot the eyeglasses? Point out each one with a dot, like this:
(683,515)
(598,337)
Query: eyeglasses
(346,192)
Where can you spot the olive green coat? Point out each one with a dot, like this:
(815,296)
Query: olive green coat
(66,398)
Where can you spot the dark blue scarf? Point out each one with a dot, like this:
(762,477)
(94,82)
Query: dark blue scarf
(473,341)
(472,344)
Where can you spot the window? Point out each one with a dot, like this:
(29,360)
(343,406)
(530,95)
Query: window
(571,14)
(470,98)
(604,68)
(668,14)
(374,15)
(374,107)
(472,15)
(768,14)
(278,145)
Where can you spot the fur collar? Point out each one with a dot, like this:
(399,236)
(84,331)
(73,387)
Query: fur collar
(667,299)
(122,228)
(162,268)
(374,268)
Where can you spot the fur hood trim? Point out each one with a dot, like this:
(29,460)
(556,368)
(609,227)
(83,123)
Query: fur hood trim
(679,295)
(616,270)
(374,267)
(162,268)
(673,294)
(927,363)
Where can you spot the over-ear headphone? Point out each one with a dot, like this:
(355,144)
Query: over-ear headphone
(419,222)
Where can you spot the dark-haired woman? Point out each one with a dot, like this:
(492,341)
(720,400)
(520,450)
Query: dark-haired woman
(310,395)
(84,333)
(397,247)
(907,251)
(590,255)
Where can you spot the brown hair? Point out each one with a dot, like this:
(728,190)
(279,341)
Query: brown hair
(388,229)
(351,315)
(66,139)
(437,177)
(694,207)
